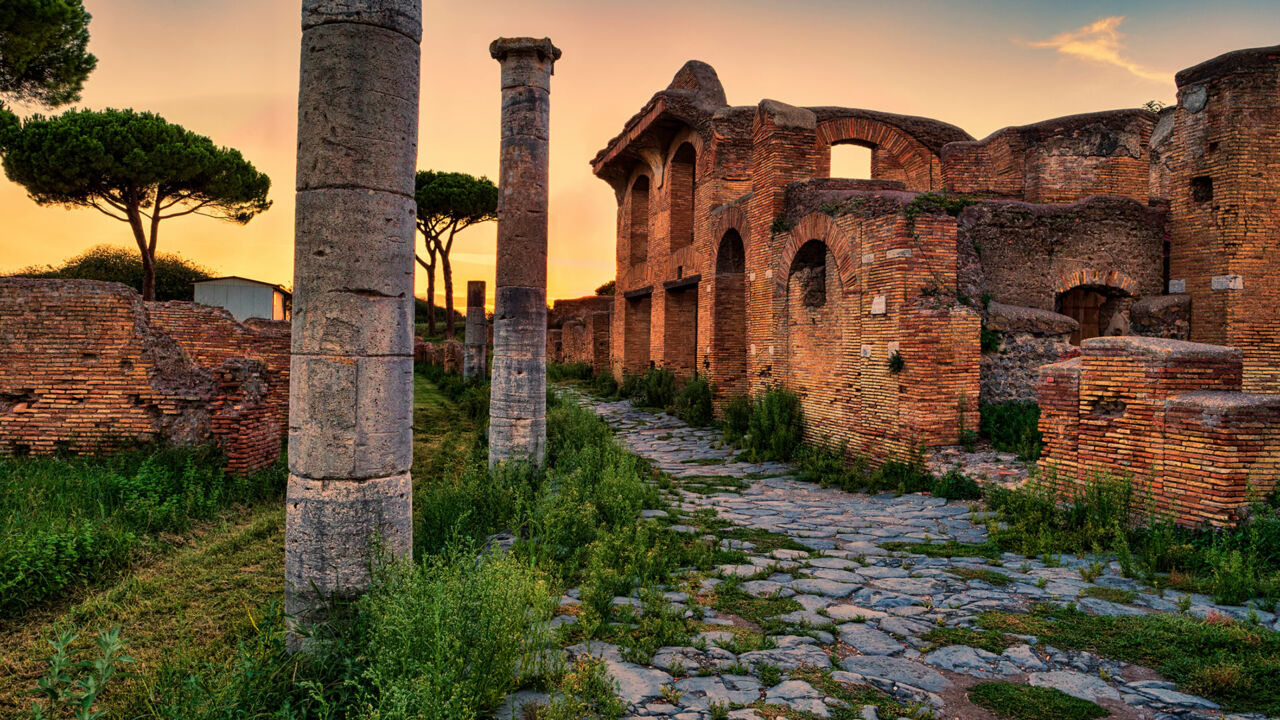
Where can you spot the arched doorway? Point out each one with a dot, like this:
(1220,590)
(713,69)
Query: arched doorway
(727,365)
(1100,309)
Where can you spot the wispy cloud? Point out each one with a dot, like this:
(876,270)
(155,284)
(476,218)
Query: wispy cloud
(1100,41)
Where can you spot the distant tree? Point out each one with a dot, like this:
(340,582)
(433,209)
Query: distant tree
(134,167)
(607,288)
(44,56)
(448,203)
(174,273)
(1154,106)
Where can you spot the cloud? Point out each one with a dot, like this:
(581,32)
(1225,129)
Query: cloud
(1100,41)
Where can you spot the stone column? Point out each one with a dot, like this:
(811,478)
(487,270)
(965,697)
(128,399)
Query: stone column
(351,384)
(477,336)
(518,404)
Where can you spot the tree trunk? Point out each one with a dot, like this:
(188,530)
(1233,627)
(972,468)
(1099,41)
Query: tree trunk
(431,301)
(148,255)
(448,296)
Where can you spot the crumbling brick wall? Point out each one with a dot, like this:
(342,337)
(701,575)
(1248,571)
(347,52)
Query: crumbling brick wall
(1167,413)
(211,336)
(1019,253)
(577,309)
(82,367)
(1056,161)
(584,340)
(1027,339)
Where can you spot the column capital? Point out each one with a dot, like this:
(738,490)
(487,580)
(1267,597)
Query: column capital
(503,47)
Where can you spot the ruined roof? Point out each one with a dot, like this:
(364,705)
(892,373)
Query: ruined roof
(1069,124)
(1249,60)
(693,98)
(931,133)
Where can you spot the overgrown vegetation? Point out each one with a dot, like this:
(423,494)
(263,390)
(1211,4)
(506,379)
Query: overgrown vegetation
(1027,702)
(174,273)
(68,522)
(1233,663)
(693,403)
(1013,427)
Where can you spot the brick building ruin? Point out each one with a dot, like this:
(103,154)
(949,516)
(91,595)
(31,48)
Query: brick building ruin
(739,258)
(87,364)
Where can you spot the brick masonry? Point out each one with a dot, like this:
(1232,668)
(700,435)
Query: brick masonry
(1169,414)
(1114,204)
(83,365)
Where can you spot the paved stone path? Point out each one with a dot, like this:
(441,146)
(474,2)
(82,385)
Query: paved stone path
(863,609)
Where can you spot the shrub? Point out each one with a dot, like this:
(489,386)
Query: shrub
(656,389)
(693,402)
(737,418)
(450,636)
(1027,702)
(631,385)
(1013,427)
(604,385)
(955,485)
(558,372)
(776,426)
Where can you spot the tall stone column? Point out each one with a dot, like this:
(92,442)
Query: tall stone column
(518,404)
(351,387)
(474,364)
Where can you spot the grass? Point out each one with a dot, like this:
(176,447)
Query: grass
(989,640)
(68,523)
(1025,702)
(728,598)
(188,609)
(1110,594)
(711,484)
(1234,664)
(948,549)
(991,577)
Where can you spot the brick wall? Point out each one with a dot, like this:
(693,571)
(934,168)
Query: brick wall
(1223,161)
(1057,161)
(82,366)
(211,336)
(1169,414)
(1025,254)
(577,309)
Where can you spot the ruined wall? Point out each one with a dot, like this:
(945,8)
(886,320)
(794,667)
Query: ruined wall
(881,290)
(1163,316)
(1222,158)
(1025,254)
(586,341)
(1168,413)
(1056,161)
(1028,339)
(211,336)
(82,366)
(577,309)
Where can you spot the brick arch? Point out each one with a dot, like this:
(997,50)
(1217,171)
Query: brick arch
(1097,278)
(921,166)
(688,135)
(726,218)
(816,226)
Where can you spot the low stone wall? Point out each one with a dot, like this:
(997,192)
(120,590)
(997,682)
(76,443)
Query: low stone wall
(1168,413)
(82,367)
(1029,338)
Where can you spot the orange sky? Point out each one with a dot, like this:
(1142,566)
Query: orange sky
(229,69)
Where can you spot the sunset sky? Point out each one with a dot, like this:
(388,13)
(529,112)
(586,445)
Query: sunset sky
(229,69)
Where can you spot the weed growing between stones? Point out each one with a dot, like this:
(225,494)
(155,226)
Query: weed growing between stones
(1230,662)
(991,577)
(989,640)
(1025,702)
(1110,594)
